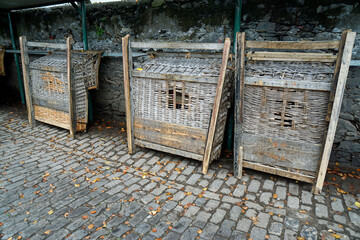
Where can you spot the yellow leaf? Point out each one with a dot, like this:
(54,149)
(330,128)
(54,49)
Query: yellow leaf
(199,231)
(139,69)
(93,212)
(91,226)
(336,235)
(357,204)
(50,212)
(275,195)
(47,232)
(34,221)
(300,238)
(9,238)
(77,185)
(349,208)
(341,191)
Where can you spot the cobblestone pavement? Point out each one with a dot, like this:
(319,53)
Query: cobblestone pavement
(55,187)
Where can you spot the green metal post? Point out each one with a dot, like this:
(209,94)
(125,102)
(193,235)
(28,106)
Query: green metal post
(86,47)
(230,121)
(21,85)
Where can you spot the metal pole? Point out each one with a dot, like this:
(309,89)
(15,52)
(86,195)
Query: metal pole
(21,85)
(230,121)
(86,47)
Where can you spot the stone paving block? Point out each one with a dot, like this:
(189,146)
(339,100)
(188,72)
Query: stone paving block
(190,233)
(226,228)
(193,179)
(321,211)
(215,186)
(211,205)
(306,197)
(276,228)
(239,191)
(192,211)
(309,232)
(160,229)
(263,220)
(281,192)
(244,225)
(209,231)
(354,218)
(254,186)
(337,205)
(265,197)
(294,189)
(291,223)
(258,233)
(235,212)
(181,225)
(218,216)
(172,236)
(293,202)
(238,235)
(201,219)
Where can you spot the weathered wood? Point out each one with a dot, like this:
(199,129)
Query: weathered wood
(239,95)
(281,152)
(71,87)
(50,103)
(129,122)
(173,77)
(281,83)
(178,45)
(207,55)
(217,102)
(343,72)
(52,116)
(292,56)
(172,135)
(240,162)
(26,76)
(171,150)
(61,46)
(279,172)
(293,44)
(336,71)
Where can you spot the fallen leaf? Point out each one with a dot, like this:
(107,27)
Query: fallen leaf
(336,235)
(199,231)
(91,226)
(254,219)
(300,238)
(50,212)
(275,195)
(341,191)
(77,185)
(357,204)
(153,230)
(93,212)
(349,208)
(131,199)
(47,232)
(85,217)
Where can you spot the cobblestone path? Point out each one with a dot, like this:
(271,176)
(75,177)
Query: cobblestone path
(54,187)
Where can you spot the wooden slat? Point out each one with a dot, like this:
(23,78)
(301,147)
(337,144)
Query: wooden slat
(281,83)
(281,152)
(344,69)
(239,97)
(293,45)
(217,102)
(26,76)
(50,103)
(173,77)
(292,56)
(279,172)
(61,46)
(215,55)
(71,87)
(178,45)
(129,121)
(52,116)
(162,148)
(171,135)
(336,72)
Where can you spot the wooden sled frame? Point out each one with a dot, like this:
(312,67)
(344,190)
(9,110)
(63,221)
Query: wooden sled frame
(342,60)
(133,123)
(24,45)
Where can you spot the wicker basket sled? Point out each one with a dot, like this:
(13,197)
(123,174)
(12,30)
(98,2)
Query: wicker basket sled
(287,103)
(177,101)
(56,85)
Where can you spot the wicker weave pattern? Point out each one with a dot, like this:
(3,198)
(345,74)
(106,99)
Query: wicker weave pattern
(293,114)
(152,101)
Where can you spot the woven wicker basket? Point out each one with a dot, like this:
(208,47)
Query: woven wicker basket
(178,101)
(52,99)
(288,97)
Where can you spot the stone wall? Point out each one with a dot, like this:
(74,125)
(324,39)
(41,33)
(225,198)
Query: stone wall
(196,21)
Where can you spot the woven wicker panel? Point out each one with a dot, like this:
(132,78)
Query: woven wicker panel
(2,64)
(183,66)
(293,114)
(154,99)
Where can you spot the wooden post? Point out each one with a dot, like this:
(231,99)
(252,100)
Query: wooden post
(129,119)
(239,102)
(71,87)
(217,102)
(26,75)
(343,72)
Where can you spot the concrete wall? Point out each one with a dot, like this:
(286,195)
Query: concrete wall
(197,21)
